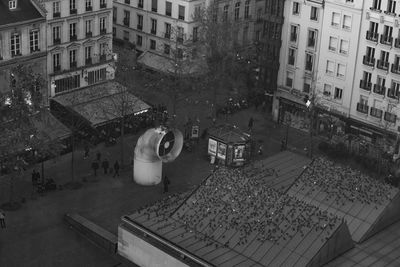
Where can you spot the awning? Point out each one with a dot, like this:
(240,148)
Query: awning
(228,134)
(102,103)
(165,64)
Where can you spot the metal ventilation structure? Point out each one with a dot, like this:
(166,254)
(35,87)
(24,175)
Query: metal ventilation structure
(155,146)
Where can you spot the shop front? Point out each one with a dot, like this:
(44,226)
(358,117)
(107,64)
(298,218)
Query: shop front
(293,114)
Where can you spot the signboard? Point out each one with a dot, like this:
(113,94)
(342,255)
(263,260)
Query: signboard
(238,153)
(212,147)
(221,151)
(195,131)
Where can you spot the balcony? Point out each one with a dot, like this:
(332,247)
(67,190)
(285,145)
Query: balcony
(311,42)
(72,11)
(375,9)
(154,9)
(126,21)
(168,13)
(293,37)
(56,41)
(379,89)
(128,2)
(167,35)
(89,8)
(365,85)
(309,66)
(140,5)
(153,31)
(390,117)
(291,60)
(88,61)
(139,27)
(72,64)
(103,5)
(89,34)
(369,61)
(386,40)
(57,68)
(372,36)
(363,108)
(397,43)
(180,17)
(395,68)
(383,65)
(56,14)
(377,113)
(103,31)
(103,57)
(179,39)
(73,38)
(392,93)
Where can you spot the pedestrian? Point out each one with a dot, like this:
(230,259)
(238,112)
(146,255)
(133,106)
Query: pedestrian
(98,156)
(86,151)
(283,144)
(251,121)
(166,182)
(34,178)
(105,164)
(260,150)
(95,166)
(116,168)
(264,106)
(2,219)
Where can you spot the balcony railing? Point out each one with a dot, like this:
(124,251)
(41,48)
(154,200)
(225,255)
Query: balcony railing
(89,8)
(397,43)
(179,39)
(103,5)
(56,41)
(390,117)
(126,21)
(372,36)
(309,66)
(72,11)
(103,31)
(139,27)
(103,58)
(181,17)
(140,4)
(73,38)
(88,61)
(291,60)
(383,65)
(395,68)
(369,61)
(153,31)
(167,35)
(387,40)
(56,14)
(365,85)
(377,113)
(89,34)
(72,64)
(379,89)
(311,42)
(293,37)
(128,2)
(393,93)
(362,108)
(57,68)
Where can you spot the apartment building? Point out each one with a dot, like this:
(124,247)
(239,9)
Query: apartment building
(79,43)
(22,39)
(299,55)
(339,52)
(375,98)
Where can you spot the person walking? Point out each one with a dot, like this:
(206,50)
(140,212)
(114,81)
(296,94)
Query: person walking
(98,156)
(86,155)
(251,122)
(2,219)
(166,182)
(283,144)
(95,166)
(105,164)
(116,168)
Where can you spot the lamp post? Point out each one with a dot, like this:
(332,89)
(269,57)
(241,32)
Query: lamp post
(310,108)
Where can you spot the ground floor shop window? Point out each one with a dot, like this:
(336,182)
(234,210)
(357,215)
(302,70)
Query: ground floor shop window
(66,84)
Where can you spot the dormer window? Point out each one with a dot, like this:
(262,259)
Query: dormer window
(12,4)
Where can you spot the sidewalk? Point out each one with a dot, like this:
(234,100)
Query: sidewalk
(36,235)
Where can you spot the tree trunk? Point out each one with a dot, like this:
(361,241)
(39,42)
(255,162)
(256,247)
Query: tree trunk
(122,140)
(12,181)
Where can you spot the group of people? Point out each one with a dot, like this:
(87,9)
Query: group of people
(105,164)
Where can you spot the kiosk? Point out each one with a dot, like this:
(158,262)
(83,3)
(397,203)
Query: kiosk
(228,145)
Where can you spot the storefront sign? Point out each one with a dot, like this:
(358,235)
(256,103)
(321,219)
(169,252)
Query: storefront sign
(212,147)
(238,153)
(221,151)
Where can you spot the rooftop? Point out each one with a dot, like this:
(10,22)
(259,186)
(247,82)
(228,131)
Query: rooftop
(25,11)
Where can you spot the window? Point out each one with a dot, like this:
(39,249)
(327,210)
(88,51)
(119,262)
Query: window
(384,56)
(12,4)
(114,31)
(103,49)
(140,3)
(330,67)
(72,58)
(292,56)
(97,76)
(346,22)
(391,7)
(195,34)
(293,33)
(126,35)
(370,52)
(167,48)
(237,9)
(180,35)
(168,8)
(103,4)
(88,5)
(289,79)
(15,45)
(327,89)
(309,62)
(154,5)
(56,34)
(72,6)
(56,62)
(140,22)
(114,14)
(225,14)
(34,40)
(246,9)
(72,31)
(338,93)
(380,80)
(88,28)
(367,76)
(341,70)
(296,8)
(88,54)
(335,19)
(333,43)
(179,53)
(152,44)
(103,29)
(56,9)
(139,40)
(167,30)
(376,4)
(314,13)
(394,91)
(66,84)
(307,85)
(344,47)
(153,26)
(386,37)
(181,14)
(127,17)
(312,36)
